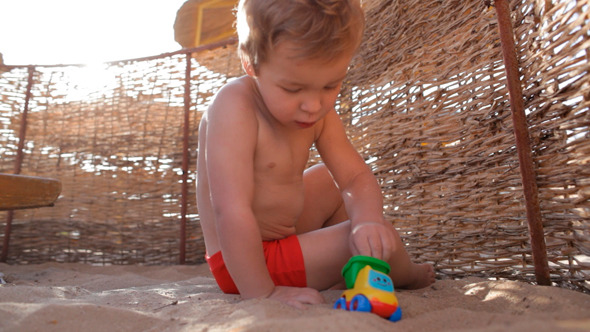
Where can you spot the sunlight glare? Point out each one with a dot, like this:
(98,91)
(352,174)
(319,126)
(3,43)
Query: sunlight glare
(89,80)
(54,32)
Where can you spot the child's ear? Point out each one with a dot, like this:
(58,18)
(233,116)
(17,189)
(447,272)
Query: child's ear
(248,67)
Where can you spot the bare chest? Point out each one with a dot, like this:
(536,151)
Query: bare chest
(278,176)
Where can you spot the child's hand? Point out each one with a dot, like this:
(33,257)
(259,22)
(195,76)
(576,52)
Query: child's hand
(296,296)
(373,239)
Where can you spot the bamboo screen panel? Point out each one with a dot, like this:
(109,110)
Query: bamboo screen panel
(555,60)
(426,103)
(113,135)
(432,113)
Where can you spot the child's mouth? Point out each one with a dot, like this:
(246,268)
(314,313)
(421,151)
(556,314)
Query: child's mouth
(304,124)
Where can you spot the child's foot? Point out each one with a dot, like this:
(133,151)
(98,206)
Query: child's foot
(423,276)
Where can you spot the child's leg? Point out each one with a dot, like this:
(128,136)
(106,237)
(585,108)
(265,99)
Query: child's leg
(323,205)
(404,272)
(324,237)
(327,250)
(323,229)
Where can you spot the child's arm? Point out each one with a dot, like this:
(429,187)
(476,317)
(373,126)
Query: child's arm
(231,138)
(231,141)
(360,191)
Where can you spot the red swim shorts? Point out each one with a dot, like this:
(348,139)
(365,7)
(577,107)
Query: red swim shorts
(284,261)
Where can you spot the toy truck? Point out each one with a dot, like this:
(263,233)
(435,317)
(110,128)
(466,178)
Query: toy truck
(370,289)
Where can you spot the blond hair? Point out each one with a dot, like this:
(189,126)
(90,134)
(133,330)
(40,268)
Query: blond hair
(322,29)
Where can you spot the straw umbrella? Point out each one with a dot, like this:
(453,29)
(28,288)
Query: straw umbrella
(202,22)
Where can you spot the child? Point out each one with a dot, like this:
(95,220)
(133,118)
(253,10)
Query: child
(273,229)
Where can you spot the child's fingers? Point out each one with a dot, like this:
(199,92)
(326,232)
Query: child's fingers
(361,238)
(297,297)
(373,239)
(377,247)
(296,304)
(387,244)
(360,245)
(311,296)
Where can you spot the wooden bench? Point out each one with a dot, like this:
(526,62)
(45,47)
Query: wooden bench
(24,192)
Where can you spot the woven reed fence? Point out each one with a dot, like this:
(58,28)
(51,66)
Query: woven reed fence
(114,136)
(426,102)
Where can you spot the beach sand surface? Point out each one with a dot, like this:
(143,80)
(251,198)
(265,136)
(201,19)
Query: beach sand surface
(79,297)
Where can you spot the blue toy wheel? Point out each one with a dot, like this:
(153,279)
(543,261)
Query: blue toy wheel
(360,303)
(340,303)
(397,315)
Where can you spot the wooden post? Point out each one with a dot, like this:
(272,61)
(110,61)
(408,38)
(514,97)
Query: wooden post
(523,145)
(185,158)
(19,160)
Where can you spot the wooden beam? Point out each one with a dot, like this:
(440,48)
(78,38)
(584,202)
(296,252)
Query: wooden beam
(185,158)
(24,192)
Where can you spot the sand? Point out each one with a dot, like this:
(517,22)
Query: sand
(78,297)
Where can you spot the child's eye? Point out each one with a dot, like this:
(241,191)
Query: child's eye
(331,87)
(289,90)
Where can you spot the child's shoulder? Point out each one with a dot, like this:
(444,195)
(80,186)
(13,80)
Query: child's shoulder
(242,87)
(240,91)
(236,99)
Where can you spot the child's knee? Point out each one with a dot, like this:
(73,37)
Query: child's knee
(319,180)
(318,172)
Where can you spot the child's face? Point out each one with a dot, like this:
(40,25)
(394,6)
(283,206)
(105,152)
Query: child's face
(299,92)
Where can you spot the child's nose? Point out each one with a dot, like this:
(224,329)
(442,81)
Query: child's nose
(311,104)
